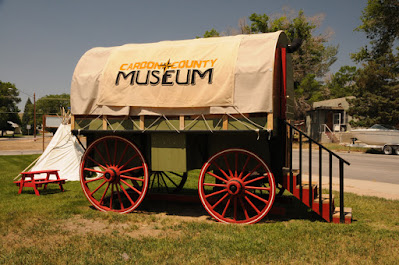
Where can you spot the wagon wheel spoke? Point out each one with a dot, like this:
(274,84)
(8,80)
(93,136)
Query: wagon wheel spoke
(130,186)
(102,184)
(131,169)
(244,208)
(220,200)
(216,176)
(257,188)
(105,192)
(235,208)
(236,165)
(246,197)
(107,152)
(99,153)
(169,182)
(97,163)
(130,160)
(252,171)
(252,205)
(121,162)
(122,156)
(127,195)
(133,178)
(164,182)
(215,185)
(253,180)
(228,166)
(221,170)
(244,167)
(115,150)
(257,197)
(95,179)
(215,193)
(119,197)
(112,195)
(225,208)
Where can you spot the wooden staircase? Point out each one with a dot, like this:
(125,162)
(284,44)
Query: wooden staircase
(309,191)
(308,195)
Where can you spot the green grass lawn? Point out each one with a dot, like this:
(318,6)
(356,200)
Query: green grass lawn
(62,228)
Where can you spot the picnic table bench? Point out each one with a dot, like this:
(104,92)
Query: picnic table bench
(29,180)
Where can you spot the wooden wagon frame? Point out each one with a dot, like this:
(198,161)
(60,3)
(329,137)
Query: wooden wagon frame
(243,157)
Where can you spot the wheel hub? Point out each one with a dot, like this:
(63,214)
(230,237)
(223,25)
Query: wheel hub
(112,174)
(234,186)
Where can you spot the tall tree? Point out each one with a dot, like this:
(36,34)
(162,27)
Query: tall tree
(9,98)
(342,83)
(27,118)
(311,62)
(377,85)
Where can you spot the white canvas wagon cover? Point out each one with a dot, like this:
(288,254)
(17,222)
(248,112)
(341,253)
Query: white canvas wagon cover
(201,76)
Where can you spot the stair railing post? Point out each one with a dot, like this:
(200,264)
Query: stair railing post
(320,182)
(330,186)
(310,175)
(300,166)
(341,192)
(290,152)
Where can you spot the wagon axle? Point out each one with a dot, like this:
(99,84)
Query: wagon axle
(235,186)
(112,174)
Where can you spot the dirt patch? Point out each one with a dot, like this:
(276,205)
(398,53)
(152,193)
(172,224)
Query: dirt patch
(23,144)
(138,230)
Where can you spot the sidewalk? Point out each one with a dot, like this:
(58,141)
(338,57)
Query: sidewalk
(20,152)
(366,187)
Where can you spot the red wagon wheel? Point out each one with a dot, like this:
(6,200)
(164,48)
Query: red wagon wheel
(236,186)
(114,175)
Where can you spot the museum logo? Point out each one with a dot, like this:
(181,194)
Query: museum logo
(184,72)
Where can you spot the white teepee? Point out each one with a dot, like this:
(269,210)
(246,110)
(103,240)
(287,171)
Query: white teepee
(63,153)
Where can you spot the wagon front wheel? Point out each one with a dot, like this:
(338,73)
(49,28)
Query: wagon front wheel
(114,175)
(236,186)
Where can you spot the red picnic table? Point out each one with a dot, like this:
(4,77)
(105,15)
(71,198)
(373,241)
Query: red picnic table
(29,180)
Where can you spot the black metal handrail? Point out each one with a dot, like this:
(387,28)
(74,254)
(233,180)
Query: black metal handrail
(331,154)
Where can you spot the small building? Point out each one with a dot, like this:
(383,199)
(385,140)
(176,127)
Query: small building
(328,120)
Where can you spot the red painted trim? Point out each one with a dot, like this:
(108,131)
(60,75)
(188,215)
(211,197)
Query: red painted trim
(284,88)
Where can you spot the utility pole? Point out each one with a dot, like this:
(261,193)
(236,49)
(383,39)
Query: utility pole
(34,116)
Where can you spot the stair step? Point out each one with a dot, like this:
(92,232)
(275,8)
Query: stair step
(320,205)
(286,171)
(306,186)
(306,182)
(347,215)
(325,199)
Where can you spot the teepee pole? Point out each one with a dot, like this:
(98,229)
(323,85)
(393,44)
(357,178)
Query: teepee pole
(28,167)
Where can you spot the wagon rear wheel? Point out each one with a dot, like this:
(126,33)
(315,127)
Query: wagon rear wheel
(114,175)
(236,186)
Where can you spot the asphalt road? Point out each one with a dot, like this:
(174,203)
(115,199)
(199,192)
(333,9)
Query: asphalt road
(371,167)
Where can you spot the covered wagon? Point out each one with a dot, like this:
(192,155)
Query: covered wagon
(152,112)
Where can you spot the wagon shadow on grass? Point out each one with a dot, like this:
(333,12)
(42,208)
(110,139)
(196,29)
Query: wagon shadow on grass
(285,208)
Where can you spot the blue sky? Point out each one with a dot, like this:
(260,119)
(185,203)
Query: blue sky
(41,41)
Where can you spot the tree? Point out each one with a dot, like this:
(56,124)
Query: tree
(27,118)
(377,84)
(342,83)
(377,93)
(51,105)
(9,98)
(381,25)
(311,62)
(212,33)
